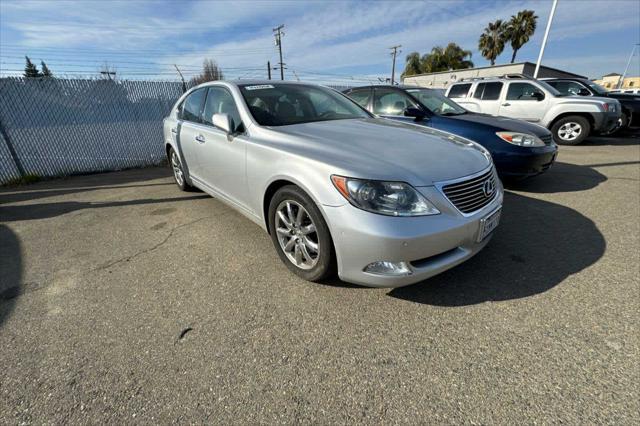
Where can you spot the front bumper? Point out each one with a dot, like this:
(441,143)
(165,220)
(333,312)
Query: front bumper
(430,244)
(525,162)
(607,122)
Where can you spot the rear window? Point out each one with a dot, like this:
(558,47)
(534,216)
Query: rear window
(488,91)
(459,90)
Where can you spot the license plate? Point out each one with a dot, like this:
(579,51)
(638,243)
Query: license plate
(488,224)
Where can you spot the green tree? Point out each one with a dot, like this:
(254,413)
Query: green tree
(520,29)
(451,57)
(30,70)
(210,72)
(491,43)
(412,65)
(46,72)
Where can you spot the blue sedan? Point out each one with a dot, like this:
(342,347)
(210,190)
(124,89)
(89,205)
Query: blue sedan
(519,149)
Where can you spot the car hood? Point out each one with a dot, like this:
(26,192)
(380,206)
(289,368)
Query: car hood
(386,150)
(501,123)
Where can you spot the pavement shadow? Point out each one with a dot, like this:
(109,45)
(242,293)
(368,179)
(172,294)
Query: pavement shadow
(621,138)
(10,271)
(561,177)
(48,210)
(70,185)
(537,245)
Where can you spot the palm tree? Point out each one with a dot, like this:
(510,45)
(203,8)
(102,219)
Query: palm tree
(491,43)
(451,57)
(520,28)
(412,65)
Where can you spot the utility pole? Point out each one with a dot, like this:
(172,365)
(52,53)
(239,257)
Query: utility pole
(393,68)
(278,34)
(544,40)
(624,74)
(184,85)
(269,69)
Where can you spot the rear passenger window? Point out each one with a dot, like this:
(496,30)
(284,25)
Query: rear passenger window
(488,91)
(459,90)
(193,106)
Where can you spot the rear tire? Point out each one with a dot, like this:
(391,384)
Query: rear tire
(571,130)
(178,171)
(300,235)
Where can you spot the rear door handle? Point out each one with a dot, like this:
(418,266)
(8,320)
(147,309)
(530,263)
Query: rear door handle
(506,104)
(200,138)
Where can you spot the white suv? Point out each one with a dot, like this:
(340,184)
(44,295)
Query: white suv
(570,118)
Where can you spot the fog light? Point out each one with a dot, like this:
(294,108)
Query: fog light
(388,268)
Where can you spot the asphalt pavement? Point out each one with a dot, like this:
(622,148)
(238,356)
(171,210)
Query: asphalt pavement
(124,300)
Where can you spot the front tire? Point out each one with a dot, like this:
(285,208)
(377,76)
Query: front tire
(300,234)
(571,130)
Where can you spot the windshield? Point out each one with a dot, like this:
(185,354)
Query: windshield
(596,87)
(284,104)
(550,88)
(436,102)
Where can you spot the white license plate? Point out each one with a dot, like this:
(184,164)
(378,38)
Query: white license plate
(488,224)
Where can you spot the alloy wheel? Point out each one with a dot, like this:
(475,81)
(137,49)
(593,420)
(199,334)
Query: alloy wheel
(570,131)
(177,168)
(297,234)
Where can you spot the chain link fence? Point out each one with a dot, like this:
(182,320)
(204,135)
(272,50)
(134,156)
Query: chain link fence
(56,127)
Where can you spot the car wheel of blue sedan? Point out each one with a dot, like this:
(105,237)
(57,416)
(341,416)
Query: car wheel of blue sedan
(300,235)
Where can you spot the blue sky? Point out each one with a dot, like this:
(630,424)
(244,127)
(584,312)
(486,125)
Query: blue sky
(329,41)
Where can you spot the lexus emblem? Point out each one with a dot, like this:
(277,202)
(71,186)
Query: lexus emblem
(489,188)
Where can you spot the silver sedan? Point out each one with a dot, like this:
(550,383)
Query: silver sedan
(381,203)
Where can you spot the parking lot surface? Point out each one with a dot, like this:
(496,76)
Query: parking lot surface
(123,299)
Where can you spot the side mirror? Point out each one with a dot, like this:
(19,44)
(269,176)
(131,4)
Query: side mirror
(584,92)
(223,122)
(538,96)
(416,113)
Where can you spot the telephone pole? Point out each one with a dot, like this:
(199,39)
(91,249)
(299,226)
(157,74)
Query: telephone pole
(269,69)
(394,54)
(278,33)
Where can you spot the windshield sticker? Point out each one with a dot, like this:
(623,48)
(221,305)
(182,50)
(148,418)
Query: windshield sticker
(258,87)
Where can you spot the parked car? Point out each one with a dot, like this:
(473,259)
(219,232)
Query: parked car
(519,149)
(626,91)
(570,118)
(387,203)
(630,118)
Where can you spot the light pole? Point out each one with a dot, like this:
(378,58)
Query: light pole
(624,74)
(544,40)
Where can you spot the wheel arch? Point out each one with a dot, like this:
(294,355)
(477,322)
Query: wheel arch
(585,115)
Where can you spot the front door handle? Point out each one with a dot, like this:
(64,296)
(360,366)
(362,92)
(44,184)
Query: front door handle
(506,104)
(174,130)
(200,138)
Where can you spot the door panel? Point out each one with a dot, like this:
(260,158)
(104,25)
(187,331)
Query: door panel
(521,102)
(223,156)
(186,128)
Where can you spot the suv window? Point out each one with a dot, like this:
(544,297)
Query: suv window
(524,92)
(391,102)
(193,106)
(488,91)
(220,101)
(459,90)
(361,97)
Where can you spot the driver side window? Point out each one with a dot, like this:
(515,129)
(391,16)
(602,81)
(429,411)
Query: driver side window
(524,92)
(220,101)
(391,102)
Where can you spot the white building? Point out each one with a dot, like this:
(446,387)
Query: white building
(440,80)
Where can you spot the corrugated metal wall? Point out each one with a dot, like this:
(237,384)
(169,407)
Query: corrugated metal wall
(56,127)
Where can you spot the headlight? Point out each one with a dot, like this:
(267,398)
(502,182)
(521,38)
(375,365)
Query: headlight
(520,139)
(388,198)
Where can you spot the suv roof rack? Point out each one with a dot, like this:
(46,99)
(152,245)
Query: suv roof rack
(510,76)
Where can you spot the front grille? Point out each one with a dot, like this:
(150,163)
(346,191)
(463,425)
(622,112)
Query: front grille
(547,139)
(472,194)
